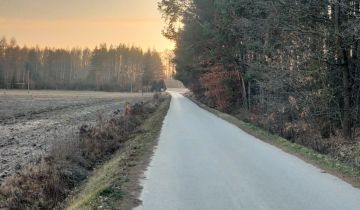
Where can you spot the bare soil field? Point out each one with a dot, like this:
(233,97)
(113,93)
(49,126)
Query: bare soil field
(31,122)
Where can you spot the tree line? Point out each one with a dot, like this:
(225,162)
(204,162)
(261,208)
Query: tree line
(120,68)
(289,66)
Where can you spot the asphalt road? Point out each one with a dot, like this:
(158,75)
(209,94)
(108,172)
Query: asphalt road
(203,162)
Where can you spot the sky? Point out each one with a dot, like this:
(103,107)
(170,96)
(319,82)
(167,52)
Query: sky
(83,23)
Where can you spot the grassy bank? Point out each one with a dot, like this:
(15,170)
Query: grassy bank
(115,185)
(46,183)
(327,163)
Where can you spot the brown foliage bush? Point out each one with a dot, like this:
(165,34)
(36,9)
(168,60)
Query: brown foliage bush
(36,187)
(102,140)
(216,89)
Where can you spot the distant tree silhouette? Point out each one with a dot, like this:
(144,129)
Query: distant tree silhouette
(104,68)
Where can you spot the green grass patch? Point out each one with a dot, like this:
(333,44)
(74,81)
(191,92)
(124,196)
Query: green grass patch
(112,193)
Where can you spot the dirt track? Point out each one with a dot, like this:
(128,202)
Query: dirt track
(29,123)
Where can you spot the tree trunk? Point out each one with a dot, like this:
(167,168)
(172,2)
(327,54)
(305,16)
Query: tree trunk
(347,97)
(244,102)
(249,95)
(343,61)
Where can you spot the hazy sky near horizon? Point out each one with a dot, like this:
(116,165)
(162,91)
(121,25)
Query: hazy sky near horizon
(83,23)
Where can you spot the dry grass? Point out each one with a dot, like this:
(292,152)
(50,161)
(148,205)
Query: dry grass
(115,185)
(45,184)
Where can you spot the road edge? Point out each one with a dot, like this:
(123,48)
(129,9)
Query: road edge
(326,163)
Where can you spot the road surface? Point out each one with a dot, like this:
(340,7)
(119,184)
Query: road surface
(203,162)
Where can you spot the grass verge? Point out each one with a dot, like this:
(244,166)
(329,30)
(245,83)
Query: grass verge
(328,164)
(115,185)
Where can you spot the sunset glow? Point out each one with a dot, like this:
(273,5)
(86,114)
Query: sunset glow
(83,23)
